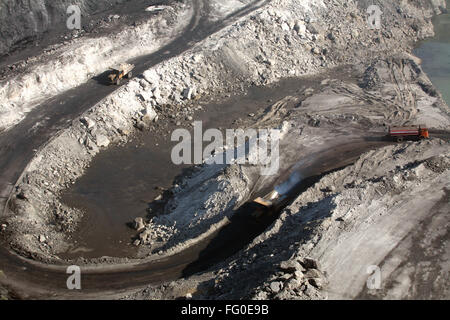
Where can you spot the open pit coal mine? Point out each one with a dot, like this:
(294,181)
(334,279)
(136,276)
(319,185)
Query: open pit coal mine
(207,151)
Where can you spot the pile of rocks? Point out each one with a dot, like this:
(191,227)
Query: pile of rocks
(60,68)
(268,44)
(297,278)
(150,234)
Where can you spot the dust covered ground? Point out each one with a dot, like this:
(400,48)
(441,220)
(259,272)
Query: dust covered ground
(353,200)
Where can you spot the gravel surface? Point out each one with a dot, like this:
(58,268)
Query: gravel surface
(344,221)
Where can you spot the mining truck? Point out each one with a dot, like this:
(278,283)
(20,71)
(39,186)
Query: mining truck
(400,134)
(119,72)
(265,203)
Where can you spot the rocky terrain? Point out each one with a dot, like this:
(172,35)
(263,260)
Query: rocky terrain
(327,225)
(325,222)
(205,199)
(363,207)
(25,21)
(62,66)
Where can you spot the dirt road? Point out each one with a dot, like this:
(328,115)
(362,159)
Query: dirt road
(18,145)
(30,279)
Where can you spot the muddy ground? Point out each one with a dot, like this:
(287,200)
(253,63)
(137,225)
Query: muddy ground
(350,191)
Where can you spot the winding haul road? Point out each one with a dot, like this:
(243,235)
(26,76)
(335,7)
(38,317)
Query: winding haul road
(30,279)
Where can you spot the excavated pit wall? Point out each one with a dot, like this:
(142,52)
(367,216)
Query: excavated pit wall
(25,20)
(81,59)
(317,35)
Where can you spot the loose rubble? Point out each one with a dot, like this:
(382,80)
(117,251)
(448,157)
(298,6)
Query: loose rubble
(313,250)
(61,68)
(367,79)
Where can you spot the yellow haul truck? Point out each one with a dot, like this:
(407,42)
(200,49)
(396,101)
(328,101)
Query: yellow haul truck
(119,72)
(267,202)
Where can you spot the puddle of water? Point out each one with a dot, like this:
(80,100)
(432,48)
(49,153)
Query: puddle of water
(435,55)
(121,181)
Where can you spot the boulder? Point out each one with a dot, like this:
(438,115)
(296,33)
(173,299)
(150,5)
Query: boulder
(331,36)
(91,145)
(149,114)
(291,266)
(313,273)
(151,77)
(293,284)
(309,290)
(144,84)
(300,28)
(285,27)
(88,122)
(157,95)
(276,286)
(313,28)
(299,275)
(139,224)
(102,141)
(124,132)
(146,96)
(144,236)
(316,51)
(141,125)
(284,295)
(317,282)
(310,263)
